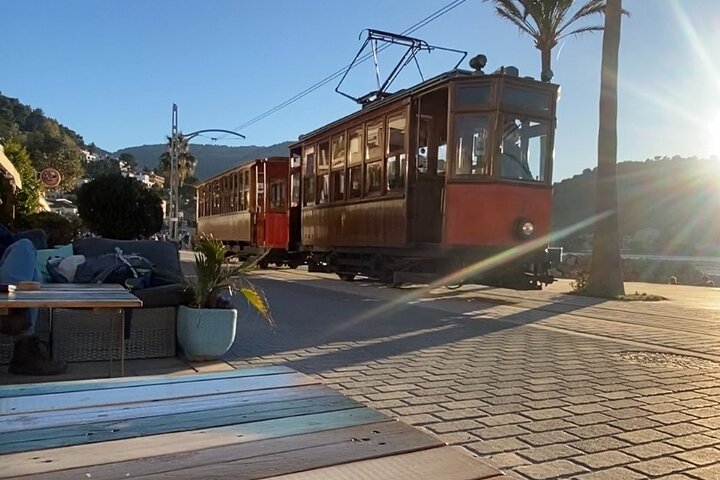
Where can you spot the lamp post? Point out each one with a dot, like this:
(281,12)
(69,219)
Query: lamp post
(174,207)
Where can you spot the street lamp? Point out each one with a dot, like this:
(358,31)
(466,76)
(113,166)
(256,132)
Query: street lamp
(174,207)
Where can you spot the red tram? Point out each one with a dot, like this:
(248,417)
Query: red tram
(432,179)
(416,185)
(246,208)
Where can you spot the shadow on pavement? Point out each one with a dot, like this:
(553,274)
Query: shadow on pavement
(309,317)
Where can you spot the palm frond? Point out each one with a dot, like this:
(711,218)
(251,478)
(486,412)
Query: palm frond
(523,25)
(592,7)
(214,276)
(595,28)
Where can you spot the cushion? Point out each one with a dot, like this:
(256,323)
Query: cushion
(47,253)
(164,255)
(164,296)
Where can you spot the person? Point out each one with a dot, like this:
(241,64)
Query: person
(18,264)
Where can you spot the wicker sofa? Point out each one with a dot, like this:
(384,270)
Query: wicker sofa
(84,335)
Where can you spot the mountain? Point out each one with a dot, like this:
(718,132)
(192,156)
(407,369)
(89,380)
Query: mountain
(666,205)
(211,159)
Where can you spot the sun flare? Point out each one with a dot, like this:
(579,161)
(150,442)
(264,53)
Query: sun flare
(714,136)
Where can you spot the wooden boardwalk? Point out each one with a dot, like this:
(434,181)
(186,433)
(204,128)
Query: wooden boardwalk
(254,423)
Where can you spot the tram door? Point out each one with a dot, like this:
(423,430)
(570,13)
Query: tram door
(260,204)
(431,142)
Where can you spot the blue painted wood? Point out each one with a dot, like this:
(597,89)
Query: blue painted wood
(48,419)
(45,438)
(107,383)
(47,461)
(115,397)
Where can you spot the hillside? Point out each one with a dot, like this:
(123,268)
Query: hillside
(212,159)
(666,205)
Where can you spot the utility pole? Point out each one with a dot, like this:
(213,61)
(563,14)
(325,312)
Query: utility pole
(173,211)
(173,206)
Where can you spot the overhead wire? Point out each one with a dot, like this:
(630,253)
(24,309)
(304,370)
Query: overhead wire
(425,21)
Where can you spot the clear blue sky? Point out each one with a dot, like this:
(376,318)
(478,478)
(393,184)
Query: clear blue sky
(111,70)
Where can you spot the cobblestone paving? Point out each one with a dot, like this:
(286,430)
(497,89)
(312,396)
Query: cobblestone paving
(544,403)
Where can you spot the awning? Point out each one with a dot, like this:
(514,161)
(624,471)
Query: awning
(9,169)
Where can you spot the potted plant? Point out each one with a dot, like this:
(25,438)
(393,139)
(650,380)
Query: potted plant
(206,329)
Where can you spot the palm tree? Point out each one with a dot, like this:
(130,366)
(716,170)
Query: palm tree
(606,271)
(186,160)
(548,22)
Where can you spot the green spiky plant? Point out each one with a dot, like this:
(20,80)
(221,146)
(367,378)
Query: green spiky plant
(217,280)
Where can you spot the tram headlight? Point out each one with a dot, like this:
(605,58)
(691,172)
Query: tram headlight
(527,228)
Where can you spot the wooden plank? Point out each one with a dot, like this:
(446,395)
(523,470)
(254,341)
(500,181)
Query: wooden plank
(19,422)
(79,399)
(446,463)
(268,457)
(56,459)
(64,436)
(105,383)
(90,298)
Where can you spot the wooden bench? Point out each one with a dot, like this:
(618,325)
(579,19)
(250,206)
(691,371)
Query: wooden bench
(253,423)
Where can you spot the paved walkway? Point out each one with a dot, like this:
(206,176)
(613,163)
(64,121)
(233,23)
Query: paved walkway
(543,384)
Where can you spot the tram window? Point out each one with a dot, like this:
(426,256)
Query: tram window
(338,151)
(525,99)
(354,182)
(524,150)
(373,177)
(473,95)
(355,146)
(396,167)
(337,183)
(295,190)
(396,134)
(324,155)
(374,141)
(309,176)
(323,188)
(277,196)
(471,153)
(295,160)
(442,158)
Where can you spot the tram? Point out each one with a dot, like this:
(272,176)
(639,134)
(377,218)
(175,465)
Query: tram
(430,180)
(246,208)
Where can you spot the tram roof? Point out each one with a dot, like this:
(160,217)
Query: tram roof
(407,92)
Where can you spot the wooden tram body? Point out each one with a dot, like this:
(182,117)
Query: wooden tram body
(429,180)
(246,208)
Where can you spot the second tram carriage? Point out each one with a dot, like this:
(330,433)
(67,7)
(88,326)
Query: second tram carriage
(419,184)
(246,208)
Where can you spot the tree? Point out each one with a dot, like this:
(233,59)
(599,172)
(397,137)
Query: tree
(186,160)
(548,22)
(102,166)
(606,270)
(27,198)
(49,146)
(119,207)
(128,162)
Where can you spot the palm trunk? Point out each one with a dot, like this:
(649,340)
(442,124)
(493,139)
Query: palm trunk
(606,271)
(546,59)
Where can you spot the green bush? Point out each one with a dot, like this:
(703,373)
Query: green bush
(119,207)
(59,229)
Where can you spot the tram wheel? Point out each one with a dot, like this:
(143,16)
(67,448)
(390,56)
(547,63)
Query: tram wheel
(263,264)
(453,287)
(293,265)
(346,277)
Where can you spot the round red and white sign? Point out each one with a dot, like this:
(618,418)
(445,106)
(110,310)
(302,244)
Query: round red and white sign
(50,177)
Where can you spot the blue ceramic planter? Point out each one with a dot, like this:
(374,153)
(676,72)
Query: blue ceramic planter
(205,334)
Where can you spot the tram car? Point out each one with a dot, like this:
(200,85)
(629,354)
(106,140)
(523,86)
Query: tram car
(453,172)
(246,208)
